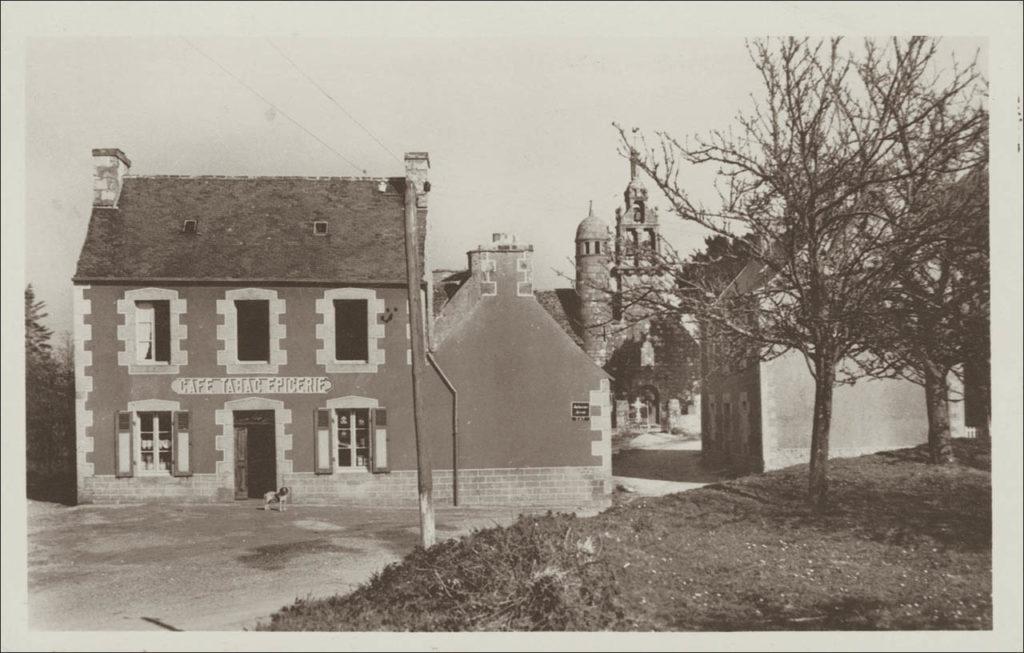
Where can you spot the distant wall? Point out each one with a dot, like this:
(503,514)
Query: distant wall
(871,415)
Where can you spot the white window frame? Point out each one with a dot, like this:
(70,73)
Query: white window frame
(326,329)
(151,406)
(127,331)
(227,332)
(351,402)
(156,432)
(341,436)
(145,316)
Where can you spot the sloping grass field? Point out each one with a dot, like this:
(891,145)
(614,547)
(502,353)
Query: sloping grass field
(906,545)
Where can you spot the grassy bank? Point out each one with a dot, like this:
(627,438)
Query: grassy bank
(906,545)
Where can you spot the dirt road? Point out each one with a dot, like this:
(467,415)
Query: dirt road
(209,567)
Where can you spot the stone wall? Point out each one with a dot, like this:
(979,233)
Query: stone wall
(536,486)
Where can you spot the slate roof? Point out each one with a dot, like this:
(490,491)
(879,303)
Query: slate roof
(251,228)
(564,306)
(446,284)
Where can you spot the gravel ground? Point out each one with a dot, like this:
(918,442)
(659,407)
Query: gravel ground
(210,567)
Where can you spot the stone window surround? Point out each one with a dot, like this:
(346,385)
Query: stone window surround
(488,278)
(126,307)
(227,332)
(225,442)
(325,331)
(342,403)
(149,406)
(524,272)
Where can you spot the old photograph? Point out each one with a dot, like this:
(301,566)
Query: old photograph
(405,318)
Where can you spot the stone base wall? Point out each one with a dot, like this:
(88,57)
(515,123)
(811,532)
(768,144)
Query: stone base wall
(196,488)
(528,486)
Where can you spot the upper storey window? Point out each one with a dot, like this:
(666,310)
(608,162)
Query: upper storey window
(351,344)
(152,332)
(253,330)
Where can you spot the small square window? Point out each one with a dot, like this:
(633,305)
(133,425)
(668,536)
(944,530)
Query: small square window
(190,227)
(320,228)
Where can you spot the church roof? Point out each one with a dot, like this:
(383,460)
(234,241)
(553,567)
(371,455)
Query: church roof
(592,228)
(563,305)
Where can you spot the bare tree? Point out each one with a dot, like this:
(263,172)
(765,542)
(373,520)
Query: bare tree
(807,176)
(934,317)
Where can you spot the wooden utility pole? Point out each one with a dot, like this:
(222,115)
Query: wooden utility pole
(424,473)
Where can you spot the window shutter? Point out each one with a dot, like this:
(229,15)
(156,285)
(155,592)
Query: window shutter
(322,442)
(181,445)
(379,441)
(124,451)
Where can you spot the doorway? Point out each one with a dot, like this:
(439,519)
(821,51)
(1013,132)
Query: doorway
(255,453)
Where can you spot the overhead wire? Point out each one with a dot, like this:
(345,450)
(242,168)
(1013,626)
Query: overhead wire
(274,106)
(333,100)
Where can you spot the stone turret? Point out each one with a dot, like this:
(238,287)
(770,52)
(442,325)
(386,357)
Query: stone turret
(593,258)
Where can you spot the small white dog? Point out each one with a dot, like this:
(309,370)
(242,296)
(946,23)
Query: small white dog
(279,497)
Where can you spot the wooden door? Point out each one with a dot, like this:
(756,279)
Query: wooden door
(241,462)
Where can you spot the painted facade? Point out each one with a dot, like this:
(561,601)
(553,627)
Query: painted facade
(171,406)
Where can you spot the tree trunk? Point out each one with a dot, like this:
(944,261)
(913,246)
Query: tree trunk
(818,481)
(936,396)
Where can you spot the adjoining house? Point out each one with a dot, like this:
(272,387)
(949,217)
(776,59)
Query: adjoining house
(757,414)
(653,359)
(237,334)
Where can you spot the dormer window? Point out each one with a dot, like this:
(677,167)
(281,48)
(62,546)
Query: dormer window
(320,228)
(190,227)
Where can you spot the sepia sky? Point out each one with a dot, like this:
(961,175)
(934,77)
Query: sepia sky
(519,130)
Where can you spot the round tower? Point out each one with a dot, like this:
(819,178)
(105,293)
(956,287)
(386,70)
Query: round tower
(593,258)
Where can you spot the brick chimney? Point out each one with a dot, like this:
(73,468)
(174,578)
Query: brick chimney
(109,166)
(504,267)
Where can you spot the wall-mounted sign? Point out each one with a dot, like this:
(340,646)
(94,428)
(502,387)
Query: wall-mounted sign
(580,411)
(252,385)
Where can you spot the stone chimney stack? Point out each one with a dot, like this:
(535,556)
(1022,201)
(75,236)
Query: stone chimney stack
(417,172)
(504,267)
(109,166)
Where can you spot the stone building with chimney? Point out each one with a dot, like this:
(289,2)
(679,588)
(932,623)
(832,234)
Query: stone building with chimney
(238,334)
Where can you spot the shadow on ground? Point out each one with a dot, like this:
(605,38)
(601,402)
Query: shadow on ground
(663,465)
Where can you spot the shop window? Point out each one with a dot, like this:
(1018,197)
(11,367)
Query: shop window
(351,343)
(152,332)
(253,330)
(155,442)
(353,438)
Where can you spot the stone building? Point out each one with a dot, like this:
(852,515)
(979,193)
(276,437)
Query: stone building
(237,334)
(653,359)
(757,414)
